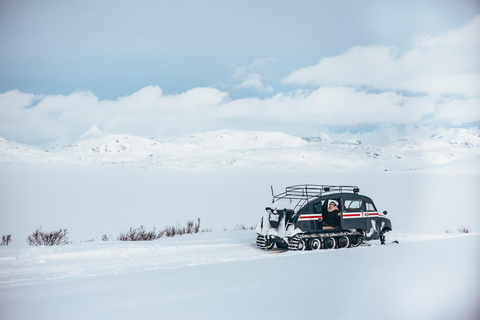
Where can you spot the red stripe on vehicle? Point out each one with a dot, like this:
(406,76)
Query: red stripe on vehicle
(352,215)
(310,217)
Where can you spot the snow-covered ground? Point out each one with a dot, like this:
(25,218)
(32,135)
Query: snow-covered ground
(221,275)
(430,274)
(103,185)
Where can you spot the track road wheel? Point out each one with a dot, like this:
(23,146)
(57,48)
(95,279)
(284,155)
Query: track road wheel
(343,242)
(264,243)
(301,245)
(315,244)
(269,244)
(282,245)
(329,243)
(355,241)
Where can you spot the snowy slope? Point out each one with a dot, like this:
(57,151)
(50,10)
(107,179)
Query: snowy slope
(455,150)
(223,276)
(230,139)
(431,274)
(112,148)
(452,146)
(15,153)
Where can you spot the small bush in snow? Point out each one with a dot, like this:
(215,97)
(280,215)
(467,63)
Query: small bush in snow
(190,228)
(464,230)
(54,238)
(105,237)
(6,240)
(139,234)
(242,226)
(172,231)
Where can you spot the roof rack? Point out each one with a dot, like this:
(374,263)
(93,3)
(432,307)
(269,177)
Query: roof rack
(307,191)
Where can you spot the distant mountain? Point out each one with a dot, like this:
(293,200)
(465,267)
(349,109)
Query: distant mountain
(319,138)
(231,139)
(16,153)
(453,150)
(93,133)
(459,138)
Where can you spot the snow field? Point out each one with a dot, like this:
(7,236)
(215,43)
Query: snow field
(33,265)
(222,275)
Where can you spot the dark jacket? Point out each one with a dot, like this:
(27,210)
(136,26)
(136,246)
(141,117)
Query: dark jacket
(332,218)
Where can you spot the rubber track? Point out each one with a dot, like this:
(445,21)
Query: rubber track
(261,242)
(293,244)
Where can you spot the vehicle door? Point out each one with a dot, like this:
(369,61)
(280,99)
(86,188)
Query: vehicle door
(353,215)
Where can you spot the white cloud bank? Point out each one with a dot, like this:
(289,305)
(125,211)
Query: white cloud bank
(442,65)
(31,119)
(443,72)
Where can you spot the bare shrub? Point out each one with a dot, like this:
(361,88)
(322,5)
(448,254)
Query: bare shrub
(105,237)
(139,234)
(464,230)
(54,238)
(242,226)
(172,231)
(190,228)
(6,240)
(196,228)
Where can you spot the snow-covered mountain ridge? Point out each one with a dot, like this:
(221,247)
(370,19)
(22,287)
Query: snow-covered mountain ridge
(454,150)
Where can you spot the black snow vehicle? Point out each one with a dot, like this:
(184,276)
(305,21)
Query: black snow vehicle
(321,217)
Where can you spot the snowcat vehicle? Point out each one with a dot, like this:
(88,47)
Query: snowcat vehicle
(312,217)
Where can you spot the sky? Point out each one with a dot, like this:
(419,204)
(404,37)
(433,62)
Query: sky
(373,69)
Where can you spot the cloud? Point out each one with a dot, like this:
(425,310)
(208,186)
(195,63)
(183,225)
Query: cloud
(333,106)
(249,76)
(33,119)
(254,81)
(440,65)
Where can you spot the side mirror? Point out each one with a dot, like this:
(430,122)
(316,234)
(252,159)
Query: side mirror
(385,212)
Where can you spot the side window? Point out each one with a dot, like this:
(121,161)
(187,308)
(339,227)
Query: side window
(317,207)
(370,207)
(353,204)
